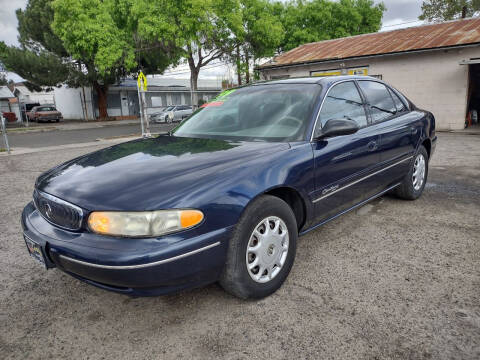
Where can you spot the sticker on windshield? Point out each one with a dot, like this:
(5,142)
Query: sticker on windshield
(219,99)
(213,103)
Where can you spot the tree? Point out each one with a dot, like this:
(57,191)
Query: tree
(442,10)
(316,20)
(259,35)
(3,80)
(201,29)
(82,42)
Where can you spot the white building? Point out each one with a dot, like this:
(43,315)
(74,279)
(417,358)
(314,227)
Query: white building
(122,99)
(8,102)
(26,96)
(436,66)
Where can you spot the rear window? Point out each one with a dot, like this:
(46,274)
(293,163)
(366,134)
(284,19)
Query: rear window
(379,101)
(398,103)
(46,108)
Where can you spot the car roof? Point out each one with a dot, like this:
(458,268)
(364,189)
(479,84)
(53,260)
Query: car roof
(321,80)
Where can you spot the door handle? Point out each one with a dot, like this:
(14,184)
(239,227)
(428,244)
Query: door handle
(372,146)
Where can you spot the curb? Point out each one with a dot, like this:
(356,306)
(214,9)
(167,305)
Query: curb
(98,142)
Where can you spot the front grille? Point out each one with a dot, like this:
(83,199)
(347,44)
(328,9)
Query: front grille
(57,211)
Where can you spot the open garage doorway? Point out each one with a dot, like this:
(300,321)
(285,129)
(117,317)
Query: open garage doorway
(473,100)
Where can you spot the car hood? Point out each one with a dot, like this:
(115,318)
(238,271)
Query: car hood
(148,174)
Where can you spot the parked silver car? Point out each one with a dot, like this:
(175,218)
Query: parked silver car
(172,113)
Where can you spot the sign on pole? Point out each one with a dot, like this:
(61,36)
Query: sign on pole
(142,81)
(142,87)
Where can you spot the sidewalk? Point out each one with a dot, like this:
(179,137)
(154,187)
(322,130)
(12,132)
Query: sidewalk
(19,128)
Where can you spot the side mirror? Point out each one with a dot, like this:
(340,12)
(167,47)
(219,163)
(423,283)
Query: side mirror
(337,127)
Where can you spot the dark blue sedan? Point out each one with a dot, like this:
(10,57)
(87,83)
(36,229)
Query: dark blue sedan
(225,195)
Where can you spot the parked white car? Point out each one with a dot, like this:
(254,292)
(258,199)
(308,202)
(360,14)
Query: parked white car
(172,113)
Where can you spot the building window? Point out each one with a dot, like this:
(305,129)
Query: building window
(188,98)
(114,101)
(176,99)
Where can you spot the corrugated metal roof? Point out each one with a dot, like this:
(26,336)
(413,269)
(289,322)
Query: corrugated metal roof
(5,93)
(450,33)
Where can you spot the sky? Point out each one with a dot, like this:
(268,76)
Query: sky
(400,13)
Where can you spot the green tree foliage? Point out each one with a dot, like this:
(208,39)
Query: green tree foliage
(82,42)
(259,35)
(308,21)
(442,10)
(200,29)
(3,80)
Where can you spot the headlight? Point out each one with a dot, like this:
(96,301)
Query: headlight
(143,223)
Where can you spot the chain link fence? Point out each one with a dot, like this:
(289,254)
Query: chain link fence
(164,109)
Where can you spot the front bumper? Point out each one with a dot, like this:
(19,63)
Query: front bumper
(139,267)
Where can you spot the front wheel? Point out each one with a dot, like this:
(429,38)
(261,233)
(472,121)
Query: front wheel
(414,182)
(262,249)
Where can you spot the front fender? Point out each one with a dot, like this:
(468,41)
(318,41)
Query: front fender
(226,199)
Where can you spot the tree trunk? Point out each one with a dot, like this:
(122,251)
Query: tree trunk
(247,67)
(102,99)
(464,12)
(194,85)
(239,66)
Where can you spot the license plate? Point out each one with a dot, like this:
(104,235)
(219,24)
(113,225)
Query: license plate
(35,250)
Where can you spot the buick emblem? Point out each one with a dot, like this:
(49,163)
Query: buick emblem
(48,210)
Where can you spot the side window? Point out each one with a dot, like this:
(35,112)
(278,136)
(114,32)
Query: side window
(378,99)
(398,103)
(343,102)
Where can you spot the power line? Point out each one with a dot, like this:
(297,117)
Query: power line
(407,22)
(188,71)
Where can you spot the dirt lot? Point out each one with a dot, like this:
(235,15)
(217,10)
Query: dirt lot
(392,280)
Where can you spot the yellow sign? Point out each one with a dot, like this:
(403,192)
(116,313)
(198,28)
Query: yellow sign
(358,71)
(142,81)
(345,71)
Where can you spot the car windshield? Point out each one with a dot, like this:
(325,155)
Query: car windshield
(46,108)
(268,112)
(170,108)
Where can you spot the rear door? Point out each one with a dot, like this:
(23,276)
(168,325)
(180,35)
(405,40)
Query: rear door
(344,165)
(395,124)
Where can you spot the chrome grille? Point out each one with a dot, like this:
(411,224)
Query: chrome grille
(57,211)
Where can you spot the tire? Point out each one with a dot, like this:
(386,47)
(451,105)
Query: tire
(409,189)
(236,278)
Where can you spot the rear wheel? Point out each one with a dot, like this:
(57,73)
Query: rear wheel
(413,184)
(262,249)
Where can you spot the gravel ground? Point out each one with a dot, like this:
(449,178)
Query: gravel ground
(392,280)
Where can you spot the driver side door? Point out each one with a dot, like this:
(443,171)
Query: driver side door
(345,165)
